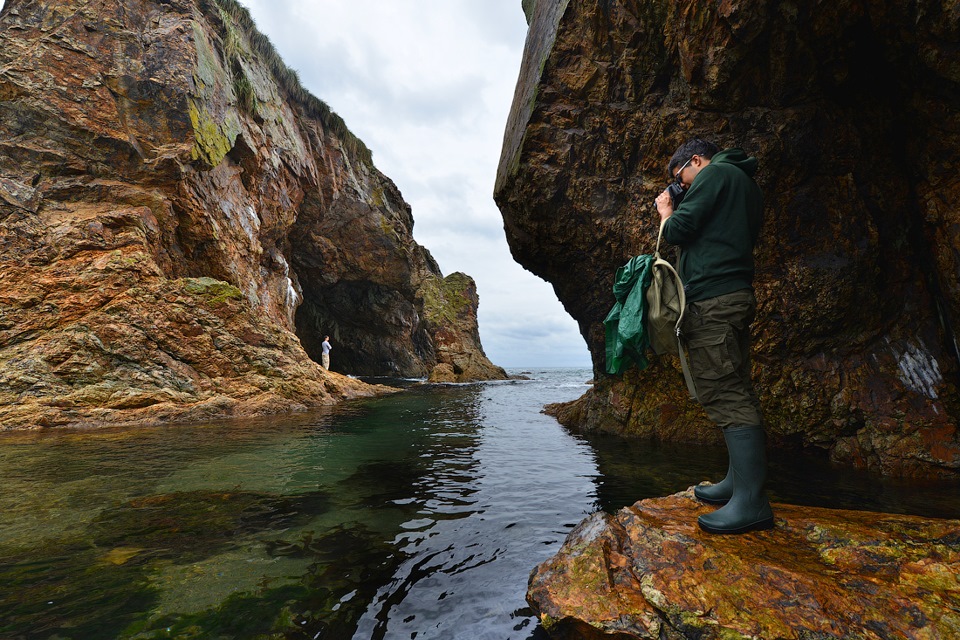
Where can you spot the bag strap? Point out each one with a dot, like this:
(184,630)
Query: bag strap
(676,273)
(687,376)
(656,252)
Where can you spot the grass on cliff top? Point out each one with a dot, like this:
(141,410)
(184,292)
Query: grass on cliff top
(287,78)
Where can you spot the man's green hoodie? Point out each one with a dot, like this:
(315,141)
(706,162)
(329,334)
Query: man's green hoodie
(716,227)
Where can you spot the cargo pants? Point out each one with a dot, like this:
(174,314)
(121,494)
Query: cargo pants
(716,333)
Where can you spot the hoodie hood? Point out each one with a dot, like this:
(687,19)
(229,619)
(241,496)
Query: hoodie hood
(738,158)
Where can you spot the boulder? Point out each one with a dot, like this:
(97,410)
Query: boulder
(649,572)
(443,373)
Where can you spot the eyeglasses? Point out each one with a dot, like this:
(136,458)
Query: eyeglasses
(676,177)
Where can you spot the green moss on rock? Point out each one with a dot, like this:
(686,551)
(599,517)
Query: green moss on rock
(376,197)
(214,136)
(287,78)
(214,290)
(444,300)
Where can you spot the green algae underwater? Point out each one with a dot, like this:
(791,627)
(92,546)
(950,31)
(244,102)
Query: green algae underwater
(175,545)
(295,527)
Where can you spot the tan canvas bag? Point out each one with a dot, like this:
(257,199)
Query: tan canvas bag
(666,304)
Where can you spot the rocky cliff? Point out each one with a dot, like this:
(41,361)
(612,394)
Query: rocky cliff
(181,223)
(649,572)
(852,110)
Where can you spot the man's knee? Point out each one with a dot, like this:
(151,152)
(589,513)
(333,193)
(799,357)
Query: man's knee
(729,400)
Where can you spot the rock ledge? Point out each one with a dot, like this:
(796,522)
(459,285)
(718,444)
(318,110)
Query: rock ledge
(649,572)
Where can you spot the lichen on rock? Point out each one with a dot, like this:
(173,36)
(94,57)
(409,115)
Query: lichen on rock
(649,572)
(215,290)
(214,133)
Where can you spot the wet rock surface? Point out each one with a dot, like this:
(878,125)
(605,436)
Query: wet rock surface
(181,223)
(649,572)
(851,110)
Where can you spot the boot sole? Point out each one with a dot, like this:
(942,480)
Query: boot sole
(766,523)
(716,501)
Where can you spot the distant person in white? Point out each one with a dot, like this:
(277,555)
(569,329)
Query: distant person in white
(325,358)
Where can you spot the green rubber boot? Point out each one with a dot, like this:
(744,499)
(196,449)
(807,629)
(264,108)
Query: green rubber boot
(718,493)
(748,508)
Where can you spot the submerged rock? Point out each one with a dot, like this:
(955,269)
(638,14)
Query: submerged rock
(649,572)
(852,111)
(181,223)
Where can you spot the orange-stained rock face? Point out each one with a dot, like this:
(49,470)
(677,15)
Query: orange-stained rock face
(176,211)
(649,572)
(851,109)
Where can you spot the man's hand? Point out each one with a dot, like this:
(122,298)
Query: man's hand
(664,205)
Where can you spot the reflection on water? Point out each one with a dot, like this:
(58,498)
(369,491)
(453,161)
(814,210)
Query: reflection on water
(631,470)
(418,515)
(505,504)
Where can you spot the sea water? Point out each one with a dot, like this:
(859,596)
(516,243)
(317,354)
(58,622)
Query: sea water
(416,515)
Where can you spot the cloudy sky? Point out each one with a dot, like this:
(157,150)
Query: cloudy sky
(427,85)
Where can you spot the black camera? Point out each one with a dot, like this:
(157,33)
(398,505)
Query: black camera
(676,193)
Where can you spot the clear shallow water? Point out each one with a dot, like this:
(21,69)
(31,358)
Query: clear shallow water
(418,515)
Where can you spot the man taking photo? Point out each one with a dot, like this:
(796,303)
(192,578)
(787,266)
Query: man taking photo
(715,218)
